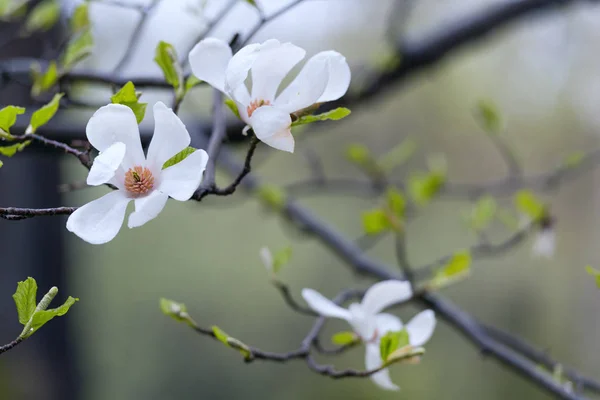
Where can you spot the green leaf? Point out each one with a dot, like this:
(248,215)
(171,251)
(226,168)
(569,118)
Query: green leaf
(175,310)
(128,96)
(233,107)
(41,317)
(80,19)
(358,154)
(391,342)
(458,268)
(333,115)
(179,157)
(8,117)
(405,353)
(397,155)
(396,202)
(375,222)
(166,58)
(1,164)
(11,150)
(272,196)
(78,48)
(527,203)
(25,299)
(488,116)
(43,17)
(44,114)
(252,3)
(595,273)
(424,187)
(44,81)
(228,341)
(191,82)
(483,212)
(281,258)
(573,159)
(344,338)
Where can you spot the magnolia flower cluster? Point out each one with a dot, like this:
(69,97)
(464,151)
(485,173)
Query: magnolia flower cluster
(113,129)
(370,324)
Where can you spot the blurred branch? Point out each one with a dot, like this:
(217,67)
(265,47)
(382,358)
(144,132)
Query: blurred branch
(14,213)
(11,345)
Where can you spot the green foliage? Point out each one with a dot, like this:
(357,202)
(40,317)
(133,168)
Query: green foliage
(80,19)
(43,81)
(43,16)
(396,202)
(527,203)
(595,273)
(179,157)
(573,160)
(41,317)
(175,310)
(458,268)
(272,196)
(358,154)
(228,341)
(252,3)
(281,258)
(488,116)
(25,299)
(233,107)
(10,9)
(78,48)
(11,150)
(375,221)
(483,213)
(128,96)
(391,342)
(398,155)
(8,117)
(344,338)
(333,115)
(166,58)
(423,187)
(191,82)
(44,114)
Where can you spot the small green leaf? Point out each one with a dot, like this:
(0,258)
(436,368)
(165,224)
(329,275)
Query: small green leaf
(80,19)
(43,17)
(397,155)
(25,299)
(272,196)
(424,187)
(228,341)
(391,342)
(175,310)
(11,150)
(128,96)
(1,164)
(527,203)
(358,154)
(8,117)
(281,258)
(344,338)
(573,159)
(488,116)
(41,317)
(252,3)
(43,81)
(458,268)
(44,114)
(233,107)
(78,48)
(375,222)
(483,213)
(191,82)
(166,58)
(396,202)
(179,157)
(333,115)
(595,273)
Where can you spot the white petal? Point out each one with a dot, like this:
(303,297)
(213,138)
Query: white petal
(147,208)
(239,66)
(106,164)
(208,61)
(273,127)
(384,294)
(544,243)
(170,137)
(306,89)
(100,220)
(362,323)
(421,327)
(387,323)
(271,66)
(116,123)
(339,75)
(266,257)
(323,305)
(373,361)
(182,179)
(241,96)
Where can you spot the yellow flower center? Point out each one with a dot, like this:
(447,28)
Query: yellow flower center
(254,104)
(139,181)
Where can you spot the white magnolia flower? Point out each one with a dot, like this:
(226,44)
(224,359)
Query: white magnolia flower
(266,257)
(371,325)
(113,130)
(544,243)
(324,77)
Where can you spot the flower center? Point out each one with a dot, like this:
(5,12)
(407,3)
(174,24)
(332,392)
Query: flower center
(254,104)
(139,181)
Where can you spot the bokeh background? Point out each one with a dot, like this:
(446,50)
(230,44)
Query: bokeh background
(542,73)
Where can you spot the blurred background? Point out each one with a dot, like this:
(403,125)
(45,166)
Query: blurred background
(542,72)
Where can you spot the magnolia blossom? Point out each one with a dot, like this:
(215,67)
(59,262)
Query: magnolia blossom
(544,243)
(371,325)
(113,130)
(324,77)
